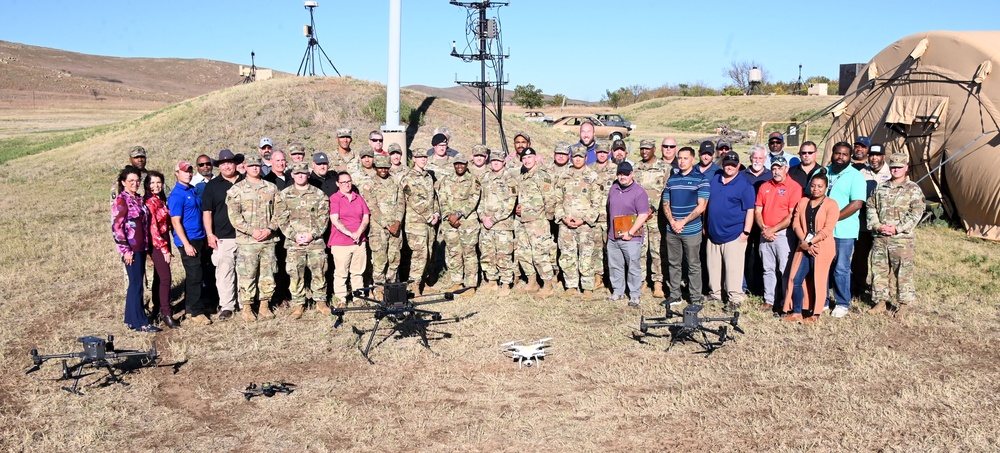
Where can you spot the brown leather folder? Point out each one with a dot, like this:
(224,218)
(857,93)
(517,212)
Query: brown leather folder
(622,224)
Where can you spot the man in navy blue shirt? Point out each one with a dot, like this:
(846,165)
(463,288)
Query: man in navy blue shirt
(706,156)
(189,237)
(587,139)
(684,200)
(727,221)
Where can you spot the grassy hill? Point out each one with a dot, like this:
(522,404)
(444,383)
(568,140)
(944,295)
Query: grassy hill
(861,383)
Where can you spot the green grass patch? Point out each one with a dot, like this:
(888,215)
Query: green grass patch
(375,111)
(39,142)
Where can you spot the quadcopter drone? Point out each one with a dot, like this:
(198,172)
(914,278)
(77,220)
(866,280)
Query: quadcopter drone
(267,389)
(97,353)
(526,355)
(397,305)
(692,327)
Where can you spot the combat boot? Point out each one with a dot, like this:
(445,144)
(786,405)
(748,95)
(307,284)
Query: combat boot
(247,314)
(503,290)
(264,312)
(879,308)
(545,290)
(598,281)
(323,308)
(658,289)
(531,287)
(587,294)
(901,311)
(453,288)
(297,313)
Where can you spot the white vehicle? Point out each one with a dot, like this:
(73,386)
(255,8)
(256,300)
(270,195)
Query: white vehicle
(526,355)
(538,117)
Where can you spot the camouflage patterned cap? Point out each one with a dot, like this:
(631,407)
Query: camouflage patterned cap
(480,150)
(460,159)
(297,148)
(343,132)
(382,161)
(647,143)
(498,155)
(394,148)
(251,160)
(367,152)
(579,150)
(898,160)
(522,134)
(562,148)
(300,168)
(137,151)
(603,146)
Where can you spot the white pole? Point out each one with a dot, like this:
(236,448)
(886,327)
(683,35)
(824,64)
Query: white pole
(392,88)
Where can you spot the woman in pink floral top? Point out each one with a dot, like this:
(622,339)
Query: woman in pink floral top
(159,233)
(130,226)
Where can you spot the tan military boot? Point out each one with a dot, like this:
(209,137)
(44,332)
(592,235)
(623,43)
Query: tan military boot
(247,314)
(453,288)
(598,281)
(587,294)
(879,308)
(546,289)
(901,311)
(503,289)
(658,289)
(531,287)
(297,312)
(323,308)
(264,312)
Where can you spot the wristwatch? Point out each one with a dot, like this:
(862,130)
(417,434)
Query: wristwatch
(459,214)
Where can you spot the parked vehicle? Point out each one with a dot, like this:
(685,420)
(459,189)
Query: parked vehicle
(572,123)
(614,119)
(538,117)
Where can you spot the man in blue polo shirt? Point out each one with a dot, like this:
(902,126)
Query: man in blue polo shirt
(189,237)
(684,200)
(848,188)
(727,222)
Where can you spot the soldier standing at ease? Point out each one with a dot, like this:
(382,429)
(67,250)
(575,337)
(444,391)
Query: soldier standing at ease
(385,201)
(894,210)
(422,214)
(480,161)
(251,203)
(651,175)
(397,165)
(303,217)
(606,169)
(580,200)
(496,212)
(535,207)
(344,158)
(558,169)
(440,161)
(459,194)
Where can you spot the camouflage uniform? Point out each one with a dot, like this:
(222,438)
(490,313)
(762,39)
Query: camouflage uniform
(358,171)
(252,207)
(652,177)
(460,195)
(421,203)
(304,212)
(607,172)
(496,244)
(535,245)
(343,162)
(480,150)
(580,196)
(440,166)
(892,256)
(385,201)
(559,175)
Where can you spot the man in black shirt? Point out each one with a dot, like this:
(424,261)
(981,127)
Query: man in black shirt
(321,175)
(279,175)
(220,232)
(802,172)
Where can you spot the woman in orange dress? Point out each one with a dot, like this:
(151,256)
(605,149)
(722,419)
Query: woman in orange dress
(814,220)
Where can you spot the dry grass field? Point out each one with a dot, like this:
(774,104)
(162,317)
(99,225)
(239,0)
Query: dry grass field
(927,383)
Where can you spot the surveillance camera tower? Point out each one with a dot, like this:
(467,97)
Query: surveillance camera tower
(486,31)
(308,64)
(252,75)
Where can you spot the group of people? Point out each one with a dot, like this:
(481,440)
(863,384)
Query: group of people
(270,227)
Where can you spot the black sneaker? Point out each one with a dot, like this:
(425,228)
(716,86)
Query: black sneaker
(634,303)
(226,314)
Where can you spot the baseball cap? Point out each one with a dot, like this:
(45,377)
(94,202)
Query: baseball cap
(382,161)
(562,148)
(367,152)
(862,140)
(779,161)
(625,168)
(723,143)
(898,160)
(731,158)
(481,150)
(876,148)
(297,148)
(265,142)
(343,132)
(618,144)
(137,151)
(183,166)
(394,148)
(438,139)
(529,151)
(300,168)
(776,135)
(647,143)
(707,147)
(320,158)
(460,159)
(602,146)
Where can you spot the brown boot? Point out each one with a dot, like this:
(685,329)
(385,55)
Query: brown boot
(587,294)
(794,317)
(323,308)
(503,289)
(879,308)
(658,289)
(901,311)
(297,312)
(811,320)
(598,281)
(264,312)
(247,314)
(469,292)
(453,288)
(531,287)
(546,289)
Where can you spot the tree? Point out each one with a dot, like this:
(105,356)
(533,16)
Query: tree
(528,96)
(557,100)
(739,73)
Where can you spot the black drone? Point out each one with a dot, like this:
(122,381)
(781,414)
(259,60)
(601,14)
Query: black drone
(397,306)
(692,327)
(267,389)
(97,353)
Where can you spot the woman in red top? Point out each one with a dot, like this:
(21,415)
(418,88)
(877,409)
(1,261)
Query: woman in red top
(159,233)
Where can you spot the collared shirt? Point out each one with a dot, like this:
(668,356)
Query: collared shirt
(351,212)
(728,204)
(797,174)
(198,182)
(682,194)
(847,186)
(183,202)
(631,200)
(213,199)
(776,200)
(709,172)
(757,180)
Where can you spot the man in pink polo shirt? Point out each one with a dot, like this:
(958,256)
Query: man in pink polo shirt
(348,242)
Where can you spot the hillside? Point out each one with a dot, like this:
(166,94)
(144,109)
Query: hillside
(463,94)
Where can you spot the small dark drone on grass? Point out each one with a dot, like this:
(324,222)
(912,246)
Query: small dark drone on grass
(396,306)
(691,327)
(267,389)
(97,353)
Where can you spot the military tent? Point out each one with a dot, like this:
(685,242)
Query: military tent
(930,95)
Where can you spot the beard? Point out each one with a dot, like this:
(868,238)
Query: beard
(839,167)
(757,167)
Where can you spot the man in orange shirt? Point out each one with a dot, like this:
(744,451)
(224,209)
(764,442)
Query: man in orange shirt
(776,200)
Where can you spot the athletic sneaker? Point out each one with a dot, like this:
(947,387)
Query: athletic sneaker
(633,303)
(840,311)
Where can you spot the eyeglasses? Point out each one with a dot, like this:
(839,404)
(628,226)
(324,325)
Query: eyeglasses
(204,164)
(774,142)
(668,146)
(344,182)
(724,148)
(806,153)
(375,139)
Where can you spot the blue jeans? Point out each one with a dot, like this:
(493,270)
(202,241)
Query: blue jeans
(805,268)
(840,280)
(135,313)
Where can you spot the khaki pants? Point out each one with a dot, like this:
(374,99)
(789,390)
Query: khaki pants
(725,269)
(224,260)
(348,260)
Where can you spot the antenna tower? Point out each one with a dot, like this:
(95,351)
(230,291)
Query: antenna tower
(252,75)
(308,65)
(487,33)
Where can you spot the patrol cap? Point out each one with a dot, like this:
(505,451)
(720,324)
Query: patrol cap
(618,144)
(367,152)
(137,151)
(382,161)
(184,166)
(624,168)
(579,150)
(498,155)
(876,149)
(862,140)
(707,147)
(265,142)
(723,144)
(776,136)
(562,148)
(522,134)
(320,158)
(603,146)
(438,139)
(460,159)
(480,150)
(394,148)
(297,148)
(898,160)
(529,151)
(300,168)
(647,143)
(779,162)
(731,158)
(343,132)
(251,160)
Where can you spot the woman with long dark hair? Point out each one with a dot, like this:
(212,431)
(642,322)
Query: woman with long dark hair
(815,217)
(159,233)
(130,227)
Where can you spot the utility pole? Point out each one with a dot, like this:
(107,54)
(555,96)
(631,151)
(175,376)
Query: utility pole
(486,30)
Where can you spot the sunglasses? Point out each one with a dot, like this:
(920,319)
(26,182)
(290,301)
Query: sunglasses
(204,164)
(725,148)
(375,139)
(806,153)
(668,146)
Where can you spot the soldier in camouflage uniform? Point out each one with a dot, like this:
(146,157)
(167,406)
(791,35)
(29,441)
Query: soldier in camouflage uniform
(894,210)
(365,168)
(496,212)
(421,217)
(650,174)
(459,194)
(251,203)
(558,169)
(303,215)
(343,159)
(398,165)
(580,200)
(439,163)
(535,208)
(385,201)
(607,172)
(480,161)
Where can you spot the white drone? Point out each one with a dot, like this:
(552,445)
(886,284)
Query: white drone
(526,355)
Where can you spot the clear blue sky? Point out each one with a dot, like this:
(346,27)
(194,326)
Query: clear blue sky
(578,48)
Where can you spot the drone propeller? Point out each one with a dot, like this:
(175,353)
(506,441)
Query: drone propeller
(544,340)
(511,343)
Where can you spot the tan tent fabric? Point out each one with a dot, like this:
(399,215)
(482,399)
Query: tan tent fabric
(932,97)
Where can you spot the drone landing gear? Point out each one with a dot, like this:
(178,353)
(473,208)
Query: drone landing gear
(693,328)
(401,317)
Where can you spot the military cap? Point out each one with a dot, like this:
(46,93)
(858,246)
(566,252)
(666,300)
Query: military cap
(394,148)
(438,139)
(297,148)
(251,160)
(647,143)
(320,158)
(480,150)
(382,161)
(562,148)
(460,159)
(579,150)
(300,168)
(898,160)
(529,151)
(876,149)
(603,146)
(367,152)
(707,147)
(137,151)
(498,155)
(522,134)
(343,132)
(618,144)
